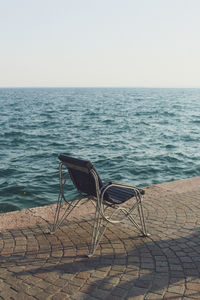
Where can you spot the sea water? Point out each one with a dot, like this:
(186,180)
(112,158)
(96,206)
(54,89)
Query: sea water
(138,136)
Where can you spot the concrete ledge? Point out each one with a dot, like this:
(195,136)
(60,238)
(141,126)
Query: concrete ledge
(39,215)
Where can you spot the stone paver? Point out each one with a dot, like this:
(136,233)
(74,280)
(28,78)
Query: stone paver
(165,265)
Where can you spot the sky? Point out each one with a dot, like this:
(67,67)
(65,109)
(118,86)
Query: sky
(100,43)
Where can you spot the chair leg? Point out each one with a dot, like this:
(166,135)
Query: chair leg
(57,212)
(61,199)
(58,221)
(142,221)
(97,234)
(139,228)
(142,226)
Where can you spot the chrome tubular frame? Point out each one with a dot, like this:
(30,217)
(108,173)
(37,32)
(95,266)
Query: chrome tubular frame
(101,218)
(61,199)
(100,215)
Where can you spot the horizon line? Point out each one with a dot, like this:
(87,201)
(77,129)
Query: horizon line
(120,87)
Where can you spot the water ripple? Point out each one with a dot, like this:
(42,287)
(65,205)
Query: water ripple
(137,136)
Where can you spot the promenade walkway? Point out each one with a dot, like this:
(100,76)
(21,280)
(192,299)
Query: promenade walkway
(165,265)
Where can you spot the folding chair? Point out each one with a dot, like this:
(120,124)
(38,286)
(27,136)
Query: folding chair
(107,198)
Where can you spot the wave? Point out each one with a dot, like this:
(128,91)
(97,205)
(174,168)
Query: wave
(136,136)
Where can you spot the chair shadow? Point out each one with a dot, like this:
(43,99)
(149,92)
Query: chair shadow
(149,266)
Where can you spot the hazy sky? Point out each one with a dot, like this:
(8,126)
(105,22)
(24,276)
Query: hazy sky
(100,43)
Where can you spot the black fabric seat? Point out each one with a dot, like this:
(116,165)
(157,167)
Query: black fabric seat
(119,195)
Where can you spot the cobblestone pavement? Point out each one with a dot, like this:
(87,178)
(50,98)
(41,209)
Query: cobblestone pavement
(165,265)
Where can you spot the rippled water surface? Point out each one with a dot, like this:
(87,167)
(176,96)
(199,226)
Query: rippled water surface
(135,136)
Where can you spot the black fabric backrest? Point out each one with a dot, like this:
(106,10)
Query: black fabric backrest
(80,173)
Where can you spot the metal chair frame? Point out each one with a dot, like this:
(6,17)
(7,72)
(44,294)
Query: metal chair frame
(101,218)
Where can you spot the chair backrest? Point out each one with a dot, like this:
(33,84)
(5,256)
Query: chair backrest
(80,172)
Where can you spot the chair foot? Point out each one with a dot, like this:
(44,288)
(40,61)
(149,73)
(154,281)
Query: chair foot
(90,254)
(52,230)
(146,234)
(48,232)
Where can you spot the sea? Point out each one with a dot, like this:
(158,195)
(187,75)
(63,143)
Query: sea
(138,136)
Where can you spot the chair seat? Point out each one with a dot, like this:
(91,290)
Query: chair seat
(118,195)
